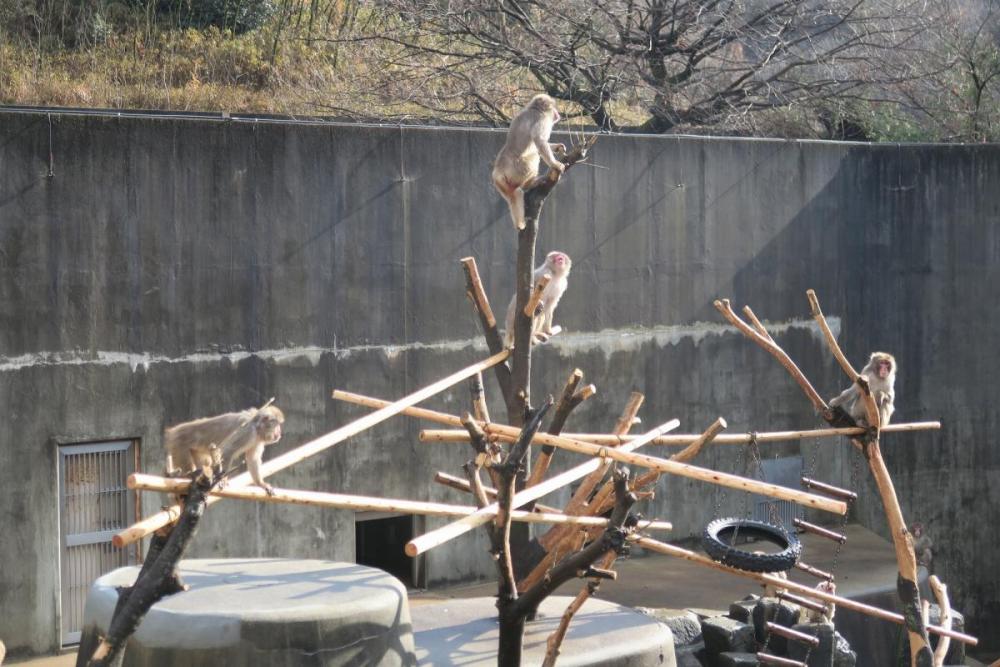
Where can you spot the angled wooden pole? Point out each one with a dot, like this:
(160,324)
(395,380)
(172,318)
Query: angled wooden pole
(438,537)
(906,582)
(797,588)
(142,528)
(685,439)
(357,503)
(626,456)
(477,295)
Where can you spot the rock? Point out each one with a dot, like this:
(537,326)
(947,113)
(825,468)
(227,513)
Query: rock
(705,613)
(683,624)
(692,655)
(843,655)
(782,613)
(722,634)
(742,610)
(736,659)
(822,655)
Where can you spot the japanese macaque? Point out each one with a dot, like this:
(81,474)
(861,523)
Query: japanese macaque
(922,544)
(880,372)
(772,590)
(557,265)
(527,141)
(826,616)
(210,442)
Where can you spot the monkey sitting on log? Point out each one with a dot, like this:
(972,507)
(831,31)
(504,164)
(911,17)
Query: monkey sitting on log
(208,443)
(516,164)
(880,372)
(557,265)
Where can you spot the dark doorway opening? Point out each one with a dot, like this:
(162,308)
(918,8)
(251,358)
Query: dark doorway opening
(379,542)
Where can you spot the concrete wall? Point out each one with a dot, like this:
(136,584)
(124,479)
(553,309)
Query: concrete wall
(170,268)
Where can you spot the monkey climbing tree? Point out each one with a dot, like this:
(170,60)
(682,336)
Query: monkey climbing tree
(596,525)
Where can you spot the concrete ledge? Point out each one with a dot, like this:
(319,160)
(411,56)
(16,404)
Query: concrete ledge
(464,632)
(265,612)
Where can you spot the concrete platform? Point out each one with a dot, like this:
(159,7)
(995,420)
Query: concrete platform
(464,632)
(265,612)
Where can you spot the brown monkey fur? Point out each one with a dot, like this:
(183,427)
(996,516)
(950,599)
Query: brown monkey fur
(211,442)
(880,372)
(516,164)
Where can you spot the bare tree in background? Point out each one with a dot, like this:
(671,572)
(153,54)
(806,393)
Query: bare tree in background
(647,65)
(959,100)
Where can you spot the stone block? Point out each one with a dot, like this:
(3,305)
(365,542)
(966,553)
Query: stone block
(843,655)
(736,659)
(725,635)
(742,610)
(684,625)
(822,655)
(782,613)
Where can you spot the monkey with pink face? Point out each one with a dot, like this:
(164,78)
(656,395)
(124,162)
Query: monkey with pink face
(213,442)
(557,265)
(527,142)
(880,372)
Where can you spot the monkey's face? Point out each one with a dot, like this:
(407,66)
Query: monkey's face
(269,428)
(883,368)
(559,262)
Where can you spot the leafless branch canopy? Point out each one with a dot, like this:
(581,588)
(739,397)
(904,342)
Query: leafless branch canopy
(683,62)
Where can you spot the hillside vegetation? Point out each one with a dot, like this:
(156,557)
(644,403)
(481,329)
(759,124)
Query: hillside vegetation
(870,69)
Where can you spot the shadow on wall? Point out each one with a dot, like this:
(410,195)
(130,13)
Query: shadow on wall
(902,243)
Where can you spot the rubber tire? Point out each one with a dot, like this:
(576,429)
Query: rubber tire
(745,560)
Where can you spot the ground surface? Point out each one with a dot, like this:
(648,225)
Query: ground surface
(866,563)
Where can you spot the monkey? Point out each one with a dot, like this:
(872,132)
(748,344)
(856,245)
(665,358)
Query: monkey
(557,265)
(922,544)
(772,590)
(210,442)
(517,162)
(880,372)
(825,616)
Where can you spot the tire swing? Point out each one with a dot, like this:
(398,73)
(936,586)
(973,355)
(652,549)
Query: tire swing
(720,536)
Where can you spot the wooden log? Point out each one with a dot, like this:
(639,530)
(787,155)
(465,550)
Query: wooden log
(554,541)
(145,482)
(590,482)
(798,589)
(945,617)
(906,582)
(802,602)
(819,530)
(766,342)
(566,404)
(460,484)
(146,526)
(477,295)
(449,532)
(814,571)
(829,490)
(794,635)
(536,295)
(478,394)
(158,579)
(463,485)
(871,410)
(626,456)
(768,659)
(686,439)
(709,435)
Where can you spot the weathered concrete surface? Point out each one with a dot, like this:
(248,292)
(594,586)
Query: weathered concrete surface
(464,632)
(264,612)
(171,268)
